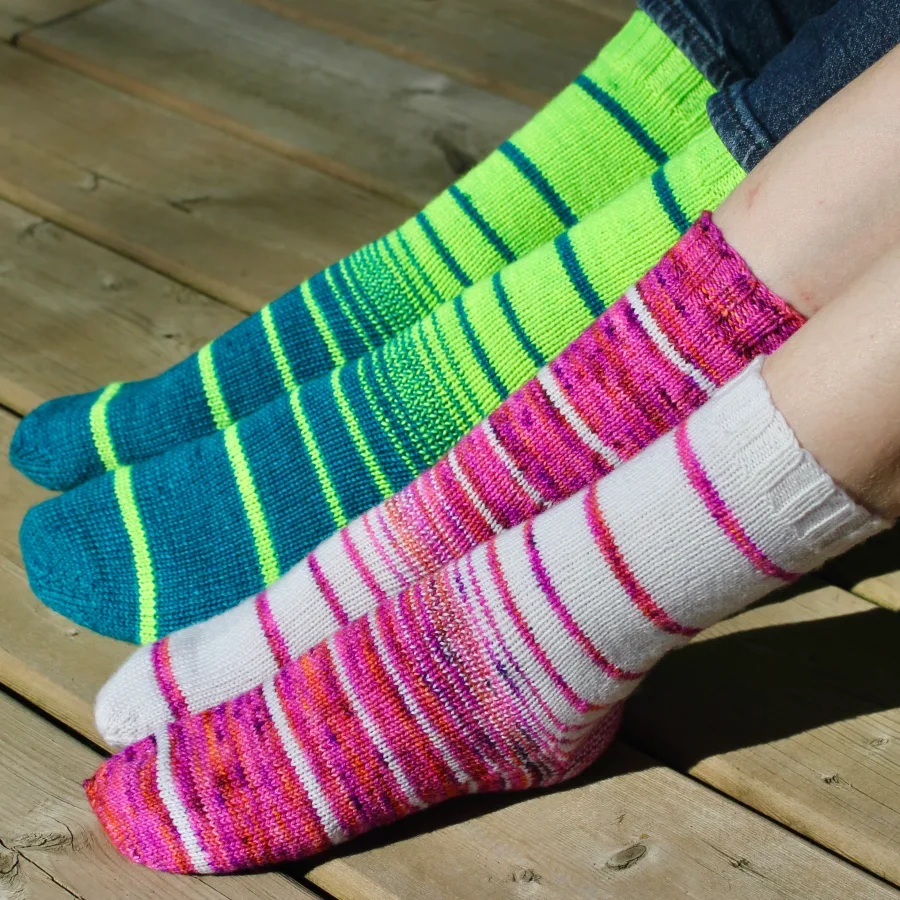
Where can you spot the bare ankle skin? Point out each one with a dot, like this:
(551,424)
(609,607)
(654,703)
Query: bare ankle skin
(824,205)
(837,382)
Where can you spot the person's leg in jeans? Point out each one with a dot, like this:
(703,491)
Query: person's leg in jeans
(729,40)
(828,52)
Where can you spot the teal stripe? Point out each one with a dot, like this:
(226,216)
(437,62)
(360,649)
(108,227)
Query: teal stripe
(464,202)
(577,276)
(478,349)
(539,182)
(668,202)
(440,247)
(415,262)
(451,358)
(624,118)
(506,308)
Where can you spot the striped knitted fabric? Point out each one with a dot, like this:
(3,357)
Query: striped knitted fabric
(691,324)
(175,539)
(505,670)
(635,106)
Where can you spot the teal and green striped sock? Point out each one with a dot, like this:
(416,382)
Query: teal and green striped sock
(156,546)
(637,104)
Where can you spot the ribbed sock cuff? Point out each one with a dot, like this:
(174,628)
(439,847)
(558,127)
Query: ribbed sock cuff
(789,506)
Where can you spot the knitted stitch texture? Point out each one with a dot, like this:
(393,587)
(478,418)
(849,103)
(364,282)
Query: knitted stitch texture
(689,325)
(631,109)
(173,540)
(505,670)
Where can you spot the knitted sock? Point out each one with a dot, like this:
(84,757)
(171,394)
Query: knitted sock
(637,104)
(175,539)
(689,325)
(505,670)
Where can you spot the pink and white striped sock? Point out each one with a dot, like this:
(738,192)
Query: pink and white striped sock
(692,323)
(505,670)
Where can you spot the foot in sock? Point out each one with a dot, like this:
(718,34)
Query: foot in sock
(147,549)
(693,322)
(528,646)
(635,106)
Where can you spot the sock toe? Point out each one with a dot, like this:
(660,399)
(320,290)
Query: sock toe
(125,797)
(65,542)
(130,705)
(53,447)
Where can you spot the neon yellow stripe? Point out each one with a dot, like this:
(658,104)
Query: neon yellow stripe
(398,388)
(360,332)
(256,517)
(140,551)
(337,356)
(352,278)
(315,454)
(386,259)
(359,439)
(399,446)
(275,345)
(100,427)
(215,399)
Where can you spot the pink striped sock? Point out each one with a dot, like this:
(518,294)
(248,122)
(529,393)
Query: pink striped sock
(504,670)
(692,323)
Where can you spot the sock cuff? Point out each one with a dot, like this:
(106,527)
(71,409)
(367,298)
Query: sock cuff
(642,53)
(764,489)
(717,312)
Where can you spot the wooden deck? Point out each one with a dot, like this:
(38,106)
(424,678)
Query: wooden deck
(166,166)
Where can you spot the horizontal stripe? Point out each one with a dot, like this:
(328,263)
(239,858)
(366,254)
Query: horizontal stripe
(99,424)
(539,182)
(624,118)
(718,509)
(668,202)
(465,203)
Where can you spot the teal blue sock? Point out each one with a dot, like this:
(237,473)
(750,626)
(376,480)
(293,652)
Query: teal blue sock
(149,548)
(638,103)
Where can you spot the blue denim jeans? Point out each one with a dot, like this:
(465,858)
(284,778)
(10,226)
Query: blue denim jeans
(775,61)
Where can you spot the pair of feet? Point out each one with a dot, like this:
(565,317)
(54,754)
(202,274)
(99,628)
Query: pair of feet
(341,392)
(464,637)
(460,636)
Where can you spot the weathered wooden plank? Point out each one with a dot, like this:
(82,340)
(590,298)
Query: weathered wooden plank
(791,708)
(872,570)
(211,211)
(523,49)
(683,841)
(17,16)
(52,847)
(377,121)
(75,316)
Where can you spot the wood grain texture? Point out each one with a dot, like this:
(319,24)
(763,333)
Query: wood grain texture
(793,708)
(51,846)
(630,829)
(373,120)
(75,316)
(18,16)
(210,211)
(526,50)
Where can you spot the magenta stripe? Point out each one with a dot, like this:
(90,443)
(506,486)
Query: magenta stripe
(638,595)
(555,601)
(276,642)
(719,510)
(165,678)
(328,592)
(365,573)
(578,703)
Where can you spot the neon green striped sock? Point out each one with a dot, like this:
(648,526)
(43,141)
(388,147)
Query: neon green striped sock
(214,520)
(634,106)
